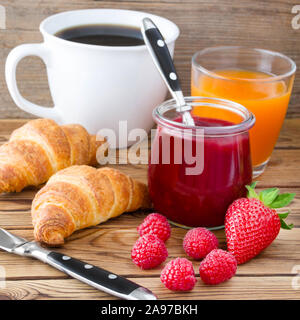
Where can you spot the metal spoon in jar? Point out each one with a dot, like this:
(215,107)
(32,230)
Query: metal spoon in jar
(162,59)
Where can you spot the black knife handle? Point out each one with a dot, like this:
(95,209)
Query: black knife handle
(160,54)
(94,276)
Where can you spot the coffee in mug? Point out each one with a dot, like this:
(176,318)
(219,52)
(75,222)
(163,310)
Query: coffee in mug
(99,71)
(103,35)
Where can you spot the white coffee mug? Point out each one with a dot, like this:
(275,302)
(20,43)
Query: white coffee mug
(95,86)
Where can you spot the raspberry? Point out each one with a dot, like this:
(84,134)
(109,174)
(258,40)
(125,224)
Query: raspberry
(198,242)
(178,275)
(156,224)
(218,266)
(149,252)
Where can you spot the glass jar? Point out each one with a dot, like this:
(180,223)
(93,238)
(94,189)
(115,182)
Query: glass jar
(196,172)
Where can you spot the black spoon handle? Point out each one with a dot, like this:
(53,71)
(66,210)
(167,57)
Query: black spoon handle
(160,54)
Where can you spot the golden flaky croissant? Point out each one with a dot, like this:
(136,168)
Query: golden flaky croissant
(39,149)
(82,196)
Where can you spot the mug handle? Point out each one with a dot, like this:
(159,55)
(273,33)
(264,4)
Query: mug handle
(14,57)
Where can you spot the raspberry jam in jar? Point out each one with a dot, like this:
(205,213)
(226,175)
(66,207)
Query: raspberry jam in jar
(196,172)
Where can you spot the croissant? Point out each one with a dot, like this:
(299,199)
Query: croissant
(83,196)
(40,148)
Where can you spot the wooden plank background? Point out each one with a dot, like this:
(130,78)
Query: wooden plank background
(256,23)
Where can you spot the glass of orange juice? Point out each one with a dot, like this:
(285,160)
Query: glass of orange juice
(261,80)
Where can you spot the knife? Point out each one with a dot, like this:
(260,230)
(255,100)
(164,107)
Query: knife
(96,277)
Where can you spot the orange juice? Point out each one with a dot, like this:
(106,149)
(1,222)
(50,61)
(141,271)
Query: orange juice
(265,98)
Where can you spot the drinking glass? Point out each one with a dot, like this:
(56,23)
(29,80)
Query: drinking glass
(261,80)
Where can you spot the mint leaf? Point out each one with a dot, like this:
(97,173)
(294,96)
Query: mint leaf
(282,200)
(268,196)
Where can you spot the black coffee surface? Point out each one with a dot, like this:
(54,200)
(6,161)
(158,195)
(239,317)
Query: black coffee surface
(103,35)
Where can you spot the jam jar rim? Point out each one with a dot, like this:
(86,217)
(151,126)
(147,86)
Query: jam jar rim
(245,125)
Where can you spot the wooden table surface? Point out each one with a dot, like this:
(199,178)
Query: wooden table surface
(268,276)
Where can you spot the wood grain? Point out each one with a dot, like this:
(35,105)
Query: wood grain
(101,246)
(108,245)
(203,23)
(245,288)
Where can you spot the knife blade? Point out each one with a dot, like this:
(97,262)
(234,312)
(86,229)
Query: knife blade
(94,276)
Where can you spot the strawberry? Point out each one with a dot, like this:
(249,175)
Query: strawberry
(252,224)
